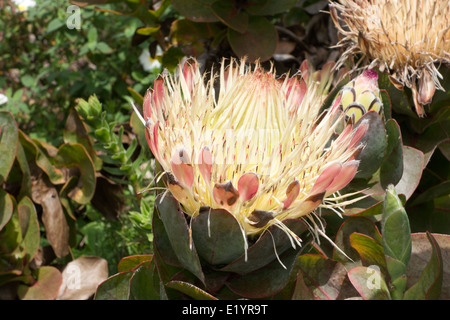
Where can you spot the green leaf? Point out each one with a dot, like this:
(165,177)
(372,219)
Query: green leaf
(375,142)
(274,276)
(369,283)
(272,243)
(395,228)
(396,240)
(258,42)
(8,143)
(432,193)
(30,227)
(401,100)
(104,48)
(46,287)
(217,236)
(430,281)
(35,150)
(269,7)
(145,282)
(195,10)
(137,97)
(147,31)
(54,25)
(391,169)
(360,225)
(230,15)
(370,251)
(191,290)
(92,35)
(324,277)
(76,156)
(28,81)
(75,132)
(178,234)
(6,208)
(131,262)
(116,287)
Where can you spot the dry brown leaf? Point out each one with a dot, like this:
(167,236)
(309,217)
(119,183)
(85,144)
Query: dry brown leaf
(56,227)
(81,278)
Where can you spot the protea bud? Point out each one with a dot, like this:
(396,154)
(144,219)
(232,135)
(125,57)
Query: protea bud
(359,96)
(257,148)
(408,38)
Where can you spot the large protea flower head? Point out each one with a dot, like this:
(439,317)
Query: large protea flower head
(409,38)
(258,147)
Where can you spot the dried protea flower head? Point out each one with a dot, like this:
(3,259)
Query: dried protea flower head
(258,148)
(409,38)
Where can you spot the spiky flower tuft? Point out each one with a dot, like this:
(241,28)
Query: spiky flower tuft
(409,38)
(258,147)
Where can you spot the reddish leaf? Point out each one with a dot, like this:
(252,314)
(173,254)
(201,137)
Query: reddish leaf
(369,283)
(324,277)
(131,262)
(48,282)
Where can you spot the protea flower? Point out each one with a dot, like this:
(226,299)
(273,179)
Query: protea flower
(409,38)
(258,147)
(360,96)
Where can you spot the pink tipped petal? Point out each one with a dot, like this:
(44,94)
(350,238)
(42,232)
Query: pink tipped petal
(325,71)
(182,168)
(151,134)
(189,67)
(344,177)
(178,192)
(312,202)
(158,92)
(344,134)
(150,142)
(371,76)
(326,178)
(225,194)
(248,185)
(359,133)
(336,103)
(296,88)
(175,188)
(147,105)
(304,69)
(292,193)
(205,163)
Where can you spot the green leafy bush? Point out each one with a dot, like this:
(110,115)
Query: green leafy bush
(46,66)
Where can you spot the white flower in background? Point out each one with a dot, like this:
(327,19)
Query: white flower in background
(3,99)
(23,5)
(148,63)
